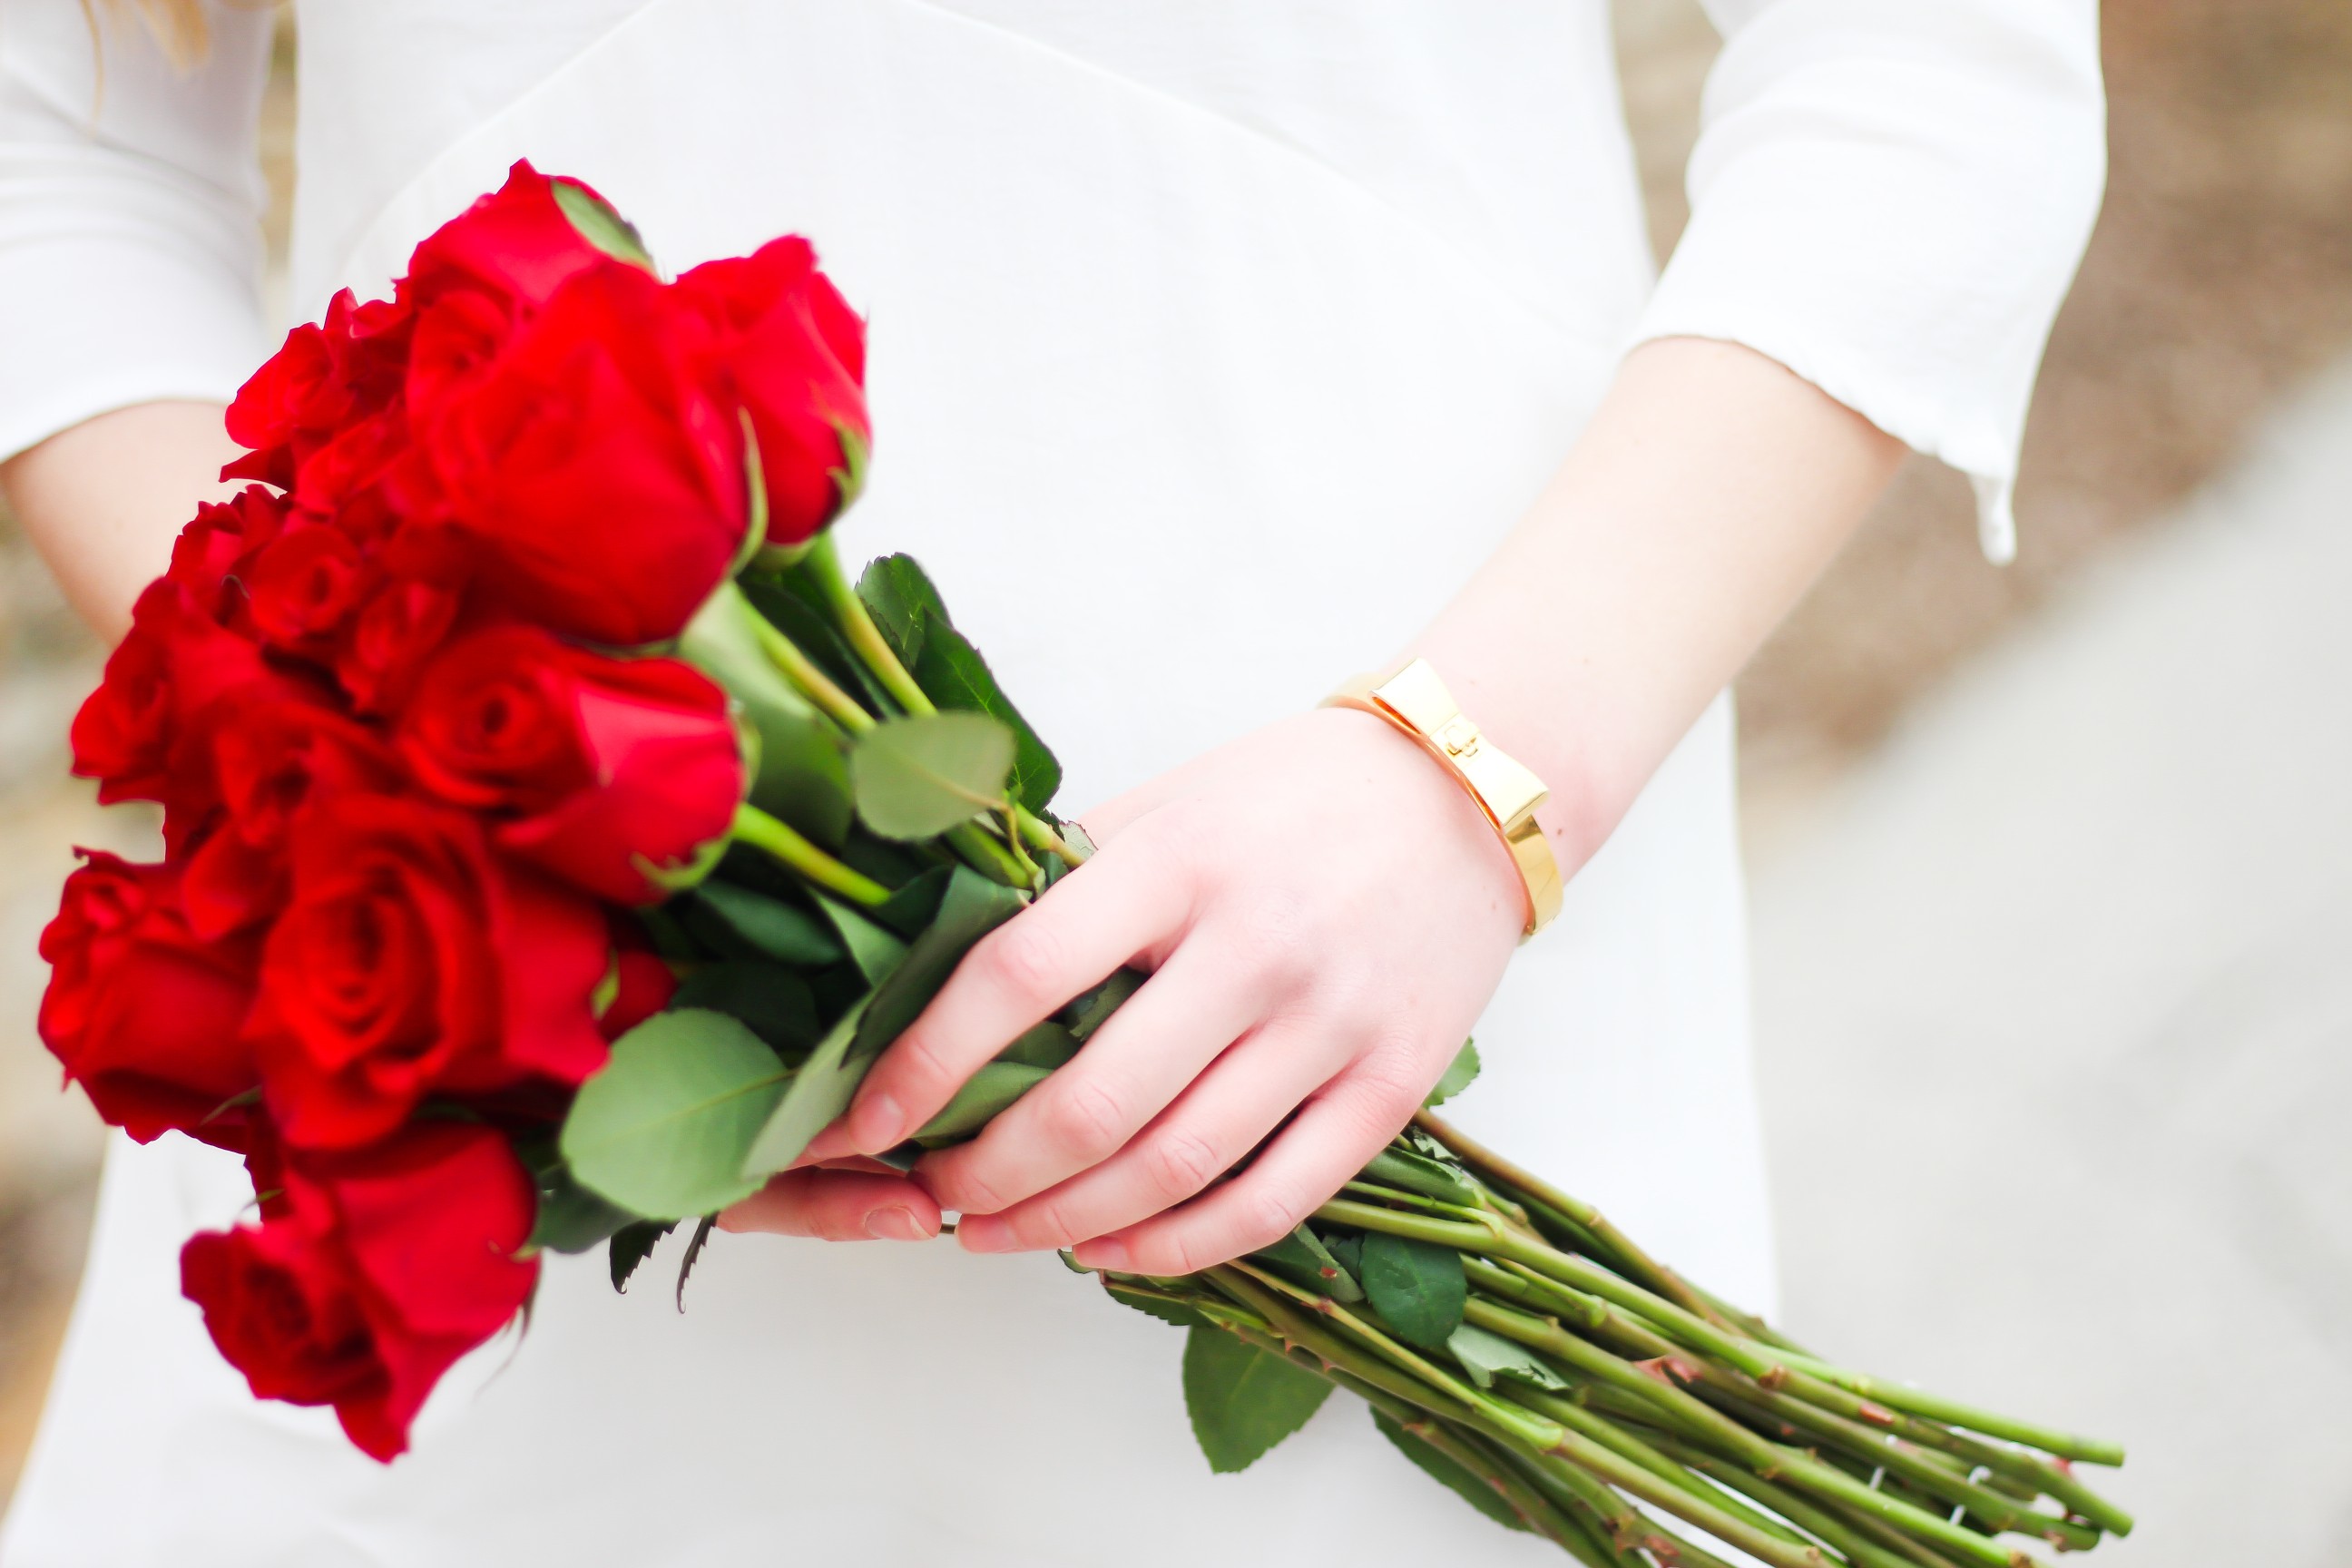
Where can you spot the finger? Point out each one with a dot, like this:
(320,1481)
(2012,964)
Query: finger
(838,1206)
(1208,993)
(1117,905)
(1244,1096)
(1338,1130)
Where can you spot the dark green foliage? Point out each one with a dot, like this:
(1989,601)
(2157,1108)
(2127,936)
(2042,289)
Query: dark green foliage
(632,1245)
(1416,1287)
(1244,1400)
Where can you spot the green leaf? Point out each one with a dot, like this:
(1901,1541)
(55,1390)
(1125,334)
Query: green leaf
(952,674)
(1167,1311)
(1244,1400)
(693,1251)
(1486,1356)
(1347,1249)
(916,778)
(630,1246)
(995,1086)
(1093,1010)
(819,1092)
(803,765)
(1469,1487)
(1045,1045)
(971,908)
(662,1130)
(570,1218)
(1456,1077)
(773,1004)
(1417,1287)
(1303,1259)
(911,907)
(875,950)
(785,933)
(899,593)
(600,224)
(1412,1172)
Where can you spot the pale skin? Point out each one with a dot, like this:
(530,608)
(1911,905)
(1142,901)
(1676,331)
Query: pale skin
(1298,1006)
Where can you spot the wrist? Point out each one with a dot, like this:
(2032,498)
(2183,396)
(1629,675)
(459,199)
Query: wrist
(1413,700)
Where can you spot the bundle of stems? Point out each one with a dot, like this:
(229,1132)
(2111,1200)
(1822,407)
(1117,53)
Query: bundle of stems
(1636,1404)
(1513,1342)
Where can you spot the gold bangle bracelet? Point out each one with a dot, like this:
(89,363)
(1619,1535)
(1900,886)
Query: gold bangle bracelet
(1413,700)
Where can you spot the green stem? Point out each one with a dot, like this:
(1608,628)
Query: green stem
(1640,1265)
(1833,1531)
(757,828)
(812,682)
(1539,1435)
(822,563)
(1934,1408)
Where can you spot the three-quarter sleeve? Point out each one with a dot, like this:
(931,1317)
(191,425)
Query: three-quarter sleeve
(130,204)
(1890,198)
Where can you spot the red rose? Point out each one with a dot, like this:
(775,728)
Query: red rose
(302,588)
(270,759)
(605,483)
(795,353)
(375,1272)
(212,550)
(410,960)
(392,637)
(295,392)
(608,772)
(146,1016)
(141,734)
(513,247)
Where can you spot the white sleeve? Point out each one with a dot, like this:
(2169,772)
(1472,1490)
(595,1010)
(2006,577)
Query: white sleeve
(1890,197)
(130,202)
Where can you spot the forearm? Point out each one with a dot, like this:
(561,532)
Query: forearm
(103,500)
(1709,490)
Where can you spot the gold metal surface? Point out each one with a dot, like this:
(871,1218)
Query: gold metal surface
(1415,701)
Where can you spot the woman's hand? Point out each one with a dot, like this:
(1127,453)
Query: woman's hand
(1323,912)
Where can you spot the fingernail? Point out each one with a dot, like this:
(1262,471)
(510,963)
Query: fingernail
(1103,1254)
(876,1124)
(896,1225)
(983,1233)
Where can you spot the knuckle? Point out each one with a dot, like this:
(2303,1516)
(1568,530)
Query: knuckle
(1042,1223)
(1029,958)
(1086,1119)
(1266,1217)
(1179,1163)
(920,1064)
(957,1186)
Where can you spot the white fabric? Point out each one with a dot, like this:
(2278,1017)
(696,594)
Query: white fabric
(1262,320)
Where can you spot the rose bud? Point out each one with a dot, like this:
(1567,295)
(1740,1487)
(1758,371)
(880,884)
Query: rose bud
(604,481)
(795,354)
(146,1016)
(375,1272)
(620,775)
(412,960)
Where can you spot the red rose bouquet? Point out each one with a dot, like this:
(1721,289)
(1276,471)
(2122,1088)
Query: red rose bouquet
(554,835)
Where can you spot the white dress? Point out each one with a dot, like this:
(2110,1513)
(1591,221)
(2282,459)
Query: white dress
(1266,317)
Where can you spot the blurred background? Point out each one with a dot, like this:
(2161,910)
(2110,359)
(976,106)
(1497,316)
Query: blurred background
(2051,865)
